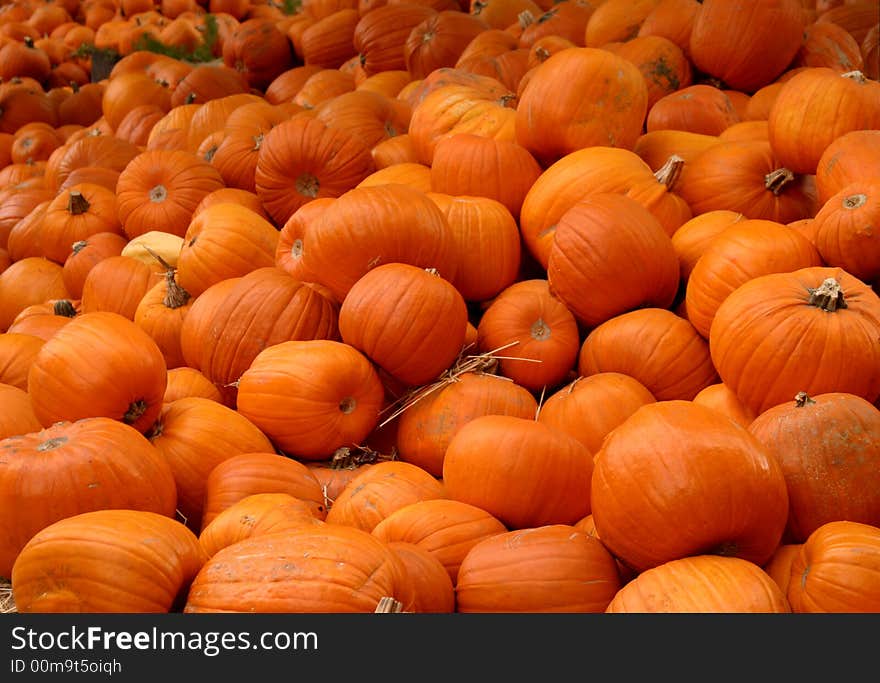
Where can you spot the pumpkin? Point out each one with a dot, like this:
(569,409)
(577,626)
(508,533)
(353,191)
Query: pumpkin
(427,426)
(815,107)
(663,64)
(492,460)
(746,45)
(311,397)
(245,474)
(117,284)
(612,247)
(186,381)
(131,89)
(259,50)
(380,35)
(743,251)
(826,449)
(779,565)
(31,280)
(329,41)
(44,320)
(370,116)
(579,98)
(850,157)
(98,364)
(103,151)
(445,528)
(845,226)
(17,352)
(279,307)
(830,45)
(702,584)
(106,465)
(340,569)
(692,239)
(133,561)
(825,313)
(719,397)
(375,493)
(438,41)
(589,408)
(17,416)
(194,434)
(837,570)
(735,502)
(699,108)
(254,515)
(75,214)
(434,592)
(512,572)
(85,254)
(304,159)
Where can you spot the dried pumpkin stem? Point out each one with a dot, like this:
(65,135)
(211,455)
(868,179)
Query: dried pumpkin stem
(135,410)
(854,201)
(856,76)
(669,172)
(775,181)
(828,296)
(802,399)
(64,307)
(77,204)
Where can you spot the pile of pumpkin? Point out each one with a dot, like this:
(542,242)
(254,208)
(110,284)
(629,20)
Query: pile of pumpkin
(487,306)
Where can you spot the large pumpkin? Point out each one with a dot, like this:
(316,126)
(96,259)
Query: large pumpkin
(103,463)
(812,330)
(678,479)
(132,561)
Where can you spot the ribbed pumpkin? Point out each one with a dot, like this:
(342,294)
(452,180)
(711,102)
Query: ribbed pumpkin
(589,408)
(692,239)
(846,228)
(700,108)
(512,572)
(823,317)
(278,308)
(746,45)
(446,528)
(837,570)
(735,502)
(815,107)
(32,280)
(611,247)
(132,561)
(311,397)
(426,427)
(254,515)
(655,346)
(104,463)
(117,284)
(17,416)
(17,352)
(98,364)
(370,226)
(827,448)
(160,314)
(380,35)
(341,569)
(701,584)
(161,189)
(408,320)
(434,591)
(379,491)
(744,251)
(85,254)
(719,397)
(579,98)
(186,381)
(493,462)
(259,50)
(850,157)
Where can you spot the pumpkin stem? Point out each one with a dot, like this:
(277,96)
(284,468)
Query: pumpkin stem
(134,412)
(344,458)
(52,444)
(175,295)
(296,249)
(77,204)
(78,246)
(347,405)
(539,330)
(158,194)
(190,98)
(308,185)
(802,399)
(525,19)
(727,549)
(64,307)
(669,172)
(542,53)
(775,181)
(479,6)
(828,296)
(856,76)
(258,142)
(388,605)
(28,41)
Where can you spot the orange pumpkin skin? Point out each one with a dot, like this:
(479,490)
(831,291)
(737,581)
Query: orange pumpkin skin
(246,474)
(837,570)
(662,63)
(254,515)
(333,561)
(17,352)
(612,247)
(106,464)
(570,103)
(746,45)
(701,584)
(185,381)
(668,442)
(845,229)
(98,364)
(742,252)
(852,156)
(426,428)
(590,407)
(379,491)
(514,572)
(701,109)
(660,349)
(692,239)
(758,327)
(719,397)
(258,49)
(815,107)
(409,321)
(31,280)
(17,416)
(779,565)
(826,448)
(279,307)
(446,528)
(491,463)
(434,592)
(131,561)
(311,397)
